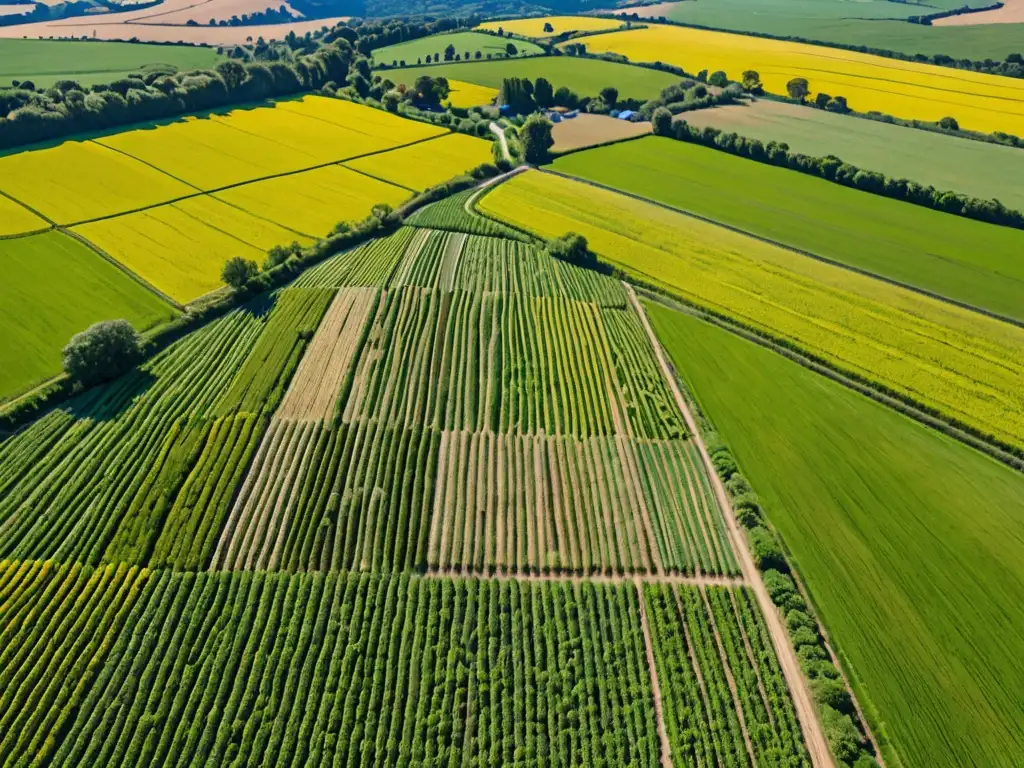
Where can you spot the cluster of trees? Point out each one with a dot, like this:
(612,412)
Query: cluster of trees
(834,169)
(28,115)
(688,95)
(269,16)
(524,96)
(572,247)
(839,717)
(102,352)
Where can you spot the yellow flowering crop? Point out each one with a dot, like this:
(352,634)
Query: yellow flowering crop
(963,364)
(16,219)
(427,163)
(904,89)
(469,95)
(314,201)
(560,24)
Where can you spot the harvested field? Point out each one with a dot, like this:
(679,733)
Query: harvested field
(203,11)
(1012,12)
(585,130)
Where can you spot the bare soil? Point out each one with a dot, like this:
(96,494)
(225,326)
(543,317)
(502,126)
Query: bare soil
(1012,12)
(585,130)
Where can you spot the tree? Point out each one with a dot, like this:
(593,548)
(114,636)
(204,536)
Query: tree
(548,27)
(238,271)
(517,93)
(821,100)
(449,52)
(566,98)
(718,79)
(543,93)
(431,90)
(572,248)
(610,96)
(535,136)
(661,121)
(752,81)
(391,100)
(837,104)
(102,352)
(949,124)
(511,50)
(798,88)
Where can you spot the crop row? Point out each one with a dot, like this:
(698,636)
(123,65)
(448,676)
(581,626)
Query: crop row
(529,503)
(116,666)
(723,696)
(367,265)
(450,215)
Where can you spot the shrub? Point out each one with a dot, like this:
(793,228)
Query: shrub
(535,136)
(843,737)
(238,271)
(766,550)
(832,693)
(798,619)
(661,121)
(102,352)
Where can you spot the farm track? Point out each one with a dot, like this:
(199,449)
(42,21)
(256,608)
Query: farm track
(817,745)
(790,248)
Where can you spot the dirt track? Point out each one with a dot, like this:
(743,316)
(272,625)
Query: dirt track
(817,745)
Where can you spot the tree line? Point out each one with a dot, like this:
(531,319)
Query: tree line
(834,169)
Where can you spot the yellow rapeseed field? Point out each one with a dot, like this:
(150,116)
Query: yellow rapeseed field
(427,163)
(314,201)
(78,181)
(247,144)
(560,24)
(469,95)
(963,364)
(181,248)
(905,89)
(16,219)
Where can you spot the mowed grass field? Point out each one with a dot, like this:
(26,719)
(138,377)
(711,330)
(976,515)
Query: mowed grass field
(43,62)
(584,76)
(905,89)
(909,542)
(963,364)
(174,201)
(465,42)
(53,287)
(913,245)
(945,162)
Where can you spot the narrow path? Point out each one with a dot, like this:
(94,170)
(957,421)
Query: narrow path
(817,745)
(659,716)
(705,580)
(497,131)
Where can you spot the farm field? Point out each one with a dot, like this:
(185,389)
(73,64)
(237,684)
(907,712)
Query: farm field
(907,540)
(560,25)
(426,164)
(945,162)
(17,219)
(39,314)
(585,130)
(1011,13)
(900,241)
(965,365)
(414,51)
(466,95)
(904,89)
(43,62)
(585,77)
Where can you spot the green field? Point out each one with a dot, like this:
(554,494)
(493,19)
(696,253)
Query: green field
(464,42)
(45,61)
(54,287)
(584,76)
(910,543)
(970,167)
(876,24)
(917,246)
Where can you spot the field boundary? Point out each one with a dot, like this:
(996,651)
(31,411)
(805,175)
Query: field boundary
(908,407)
(803,702)
(574,577)
(790,248)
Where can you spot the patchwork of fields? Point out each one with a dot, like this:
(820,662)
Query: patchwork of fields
(909,541)
(965,365)
(436,400)
(559,25)
(172,202)
(904,89)
(916,246)
(466,46)
(945,162)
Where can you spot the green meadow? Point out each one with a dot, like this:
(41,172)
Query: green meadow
(910,543)
(464,42)
(917,246)
(53,287)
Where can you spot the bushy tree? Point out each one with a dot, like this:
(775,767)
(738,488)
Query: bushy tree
(102,352)
(572,248)
(610,96)
(238,271)
(661,122)
(798,88)
(543,93)
(718,79)
(535,136)
(752,81)
(949,124)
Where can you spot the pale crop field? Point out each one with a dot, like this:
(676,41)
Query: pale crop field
(469,95)
(374,122)
(963,364)
(428,163)
(181,248)
(16,219)
(560,24)
(79,181)
(314,201)
(905,89)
